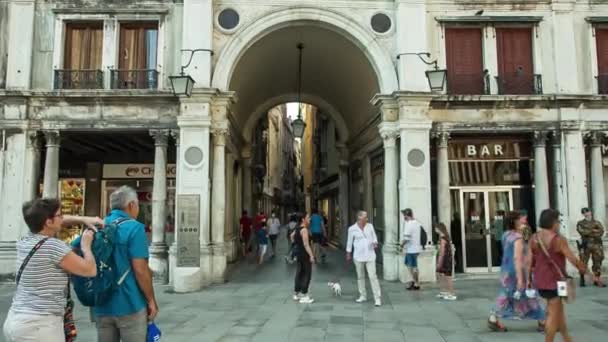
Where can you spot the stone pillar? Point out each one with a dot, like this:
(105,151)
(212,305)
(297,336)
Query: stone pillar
(557,200)
(32,163)
(158,248)
(575,176)
(20,42)
(443,180)
(598,196)
(173,248)
(218,202)
(368,204)
(247,181)
(389,131)
(51,165)
(343,190)
(541,184)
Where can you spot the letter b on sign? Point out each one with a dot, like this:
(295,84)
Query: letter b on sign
(471,150)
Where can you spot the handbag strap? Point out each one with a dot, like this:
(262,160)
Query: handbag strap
(544,249)
(28,257)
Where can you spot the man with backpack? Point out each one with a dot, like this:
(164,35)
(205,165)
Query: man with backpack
(413,238)
(124,317)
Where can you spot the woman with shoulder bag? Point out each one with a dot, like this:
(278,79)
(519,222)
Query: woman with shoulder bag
(41,302)
(550,251)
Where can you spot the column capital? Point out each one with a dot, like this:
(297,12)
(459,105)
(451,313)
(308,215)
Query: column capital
(175,136)
(161,137)
(34,140)
(219,130)
(442,138)
(595,138)
(540,138)
(389,132)
(555,138)
(52,138)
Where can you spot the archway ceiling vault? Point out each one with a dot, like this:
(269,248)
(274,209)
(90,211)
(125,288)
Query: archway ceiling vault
(333,69)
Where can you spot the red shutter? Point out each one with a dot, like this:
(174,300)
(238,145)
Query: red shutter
(515,68)
(601,41)
(464,60)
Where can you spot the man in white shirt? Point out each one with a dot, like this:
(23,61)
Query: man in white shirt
(410,239)
(362,237)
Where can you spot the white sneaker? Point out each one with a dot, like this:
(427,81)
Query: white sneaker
(441,294)
(297,296)
(450,297)
(361,300)
(306,300)
(378,302)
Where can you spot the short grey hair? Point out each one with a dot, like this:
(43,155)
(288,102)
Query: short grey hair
(361,214)
(122,196)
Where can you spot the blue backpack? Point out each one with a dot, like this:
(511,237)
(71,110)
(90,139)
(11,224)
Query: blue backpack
(98,290)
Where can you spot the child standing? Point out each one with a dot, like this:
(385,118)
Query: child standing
(445,260)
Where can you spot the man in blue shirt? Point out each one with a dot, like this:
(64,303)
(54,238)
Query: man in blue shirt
(125,317)
(317,230)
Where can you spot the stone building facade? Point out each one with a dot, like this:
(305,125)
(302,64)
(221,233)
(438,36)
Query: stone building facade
(519,124)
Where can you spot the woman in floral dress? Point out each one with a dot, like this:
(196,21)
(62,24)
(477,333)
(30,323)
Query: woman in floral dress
(512,301)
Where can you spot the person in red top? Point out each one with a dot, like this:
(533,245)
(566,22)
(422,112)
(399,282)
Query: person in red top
(549,253)
(258,223)
(245,231)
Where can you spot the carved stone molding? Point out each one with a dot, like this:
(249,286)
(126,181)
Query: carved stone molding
(52,138)
(442,138)
(540,138)
(34,140)
(595,138)
(161,137)
(219,132)
(175,136)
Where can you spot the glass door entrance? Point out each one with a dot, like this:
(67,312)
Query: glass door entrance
(482,212)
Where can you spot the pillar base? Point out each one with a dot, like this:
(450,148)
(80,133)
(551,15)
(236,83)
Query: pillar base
(427,265)
(219,263)
(158,262)
(390,263)
(8,258)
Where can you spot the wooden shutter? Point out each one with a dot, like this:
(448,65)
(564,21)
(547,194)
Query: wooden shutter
(601,41)
(133,54)
(515,66)
(83,46)
(464,60)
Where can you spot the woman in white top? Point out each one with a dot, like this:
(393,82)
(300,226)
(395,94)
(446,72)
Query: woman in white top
(36,313)
(274,225)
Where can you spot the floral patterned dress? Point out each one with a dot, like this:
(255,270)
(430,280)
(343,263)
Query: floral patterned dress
(508,307)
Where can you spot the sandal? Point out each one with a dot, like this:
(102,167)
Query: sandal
(496,326)
(540,327)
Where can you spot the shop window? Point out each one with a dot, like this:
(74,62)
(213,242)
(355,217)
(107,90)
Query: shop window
(465,62)
(137,57)
(82,57)
(601,41)
(515,62)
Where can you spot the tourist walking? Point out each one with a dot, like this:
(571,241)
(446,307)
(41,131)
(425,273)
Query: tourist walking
(126,315)
(362,238)
(245,232)
(306,258)
(512,301)
(44,265)
(550,251)
(317,228)
(445,262)
(291,227)
(410,239)
(274,228)
(261,234)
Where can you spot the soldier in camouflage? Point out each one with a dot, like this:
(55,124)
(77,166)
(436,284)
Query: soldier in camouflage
(591,232)
(526,230)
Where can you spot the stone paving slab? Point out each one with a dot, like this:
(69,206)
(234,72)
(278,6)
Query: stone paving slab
(255,305)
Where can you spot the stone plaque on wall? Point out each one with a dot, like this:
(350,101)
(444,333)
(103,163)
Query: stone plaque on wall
(187,231)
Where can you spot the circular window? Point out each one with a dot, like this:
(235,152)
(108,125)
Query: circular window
(415,157)
(381,23)
(228,19)
(193,156)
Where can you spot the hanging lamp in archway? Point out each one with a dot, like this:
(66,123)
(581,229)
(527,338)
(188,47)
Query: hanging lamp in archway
(298,125)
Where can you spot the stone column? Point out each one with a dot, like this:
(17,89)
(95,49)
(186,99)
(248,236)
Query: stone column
(219,131)
(541,184)
(443,180)
(247,181)
(158,248)
(598,196)
(389,131)
(51,165)
(575,176)
(343,189)
(557,200)
(173,248)
(32,163)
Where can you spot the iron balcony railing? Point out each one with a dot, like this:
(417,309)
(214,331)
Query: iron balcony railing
(602,83)
(518,83)
(78,79)
(134,79)
(469,84)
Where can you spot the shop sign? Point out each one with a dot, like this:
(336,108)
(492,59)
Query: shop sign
(188,227)
(489,150)
(139,171)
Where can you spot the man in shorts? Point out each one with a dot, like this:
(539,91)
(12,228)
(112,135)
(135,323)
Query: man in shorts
(410,240)
(317,229)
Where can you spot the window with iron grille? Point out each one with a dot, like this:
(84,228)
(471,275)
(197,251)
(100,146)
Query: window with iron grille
(82,57)
(515,61)
(464,61)
(137,55)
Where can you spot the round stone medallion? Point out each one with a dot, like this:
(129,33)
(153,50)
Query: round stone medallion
(193,156)
(228,19)
(415,157)
(381,23)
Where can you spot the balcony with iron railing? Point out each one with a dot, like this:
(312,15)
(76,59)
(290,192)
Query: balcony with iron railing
(602,83)
(134,79)
(78,79)
(519,83)
(469,84)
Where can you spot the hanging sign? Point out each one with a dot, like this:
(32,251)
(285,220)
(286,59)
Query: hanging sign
(139,171)
(489,150)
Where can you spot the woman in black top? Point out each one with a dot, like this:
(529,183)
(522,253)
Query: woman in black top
(301,239)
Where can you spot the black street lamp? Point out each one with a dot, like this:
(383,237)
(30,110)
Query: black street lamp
(298,125)
(436,77)
(183,84)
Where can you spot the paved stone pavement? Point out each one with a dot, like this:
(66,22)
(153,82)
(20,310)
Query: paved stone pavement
(255,305)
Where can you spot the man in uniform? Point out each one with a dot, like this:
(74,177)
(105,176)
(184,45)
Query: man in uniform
(591,245)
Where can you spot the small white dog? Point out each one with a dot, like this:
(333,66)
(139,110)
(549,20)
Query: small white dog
(336,288)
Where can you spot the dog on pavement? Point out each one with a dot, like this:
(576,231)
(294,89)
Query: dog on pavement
(335,288)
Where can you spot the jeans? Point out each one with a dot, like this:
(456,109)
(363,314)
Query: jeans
(373,278)
(130,328)
(21,327)
(303,274)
